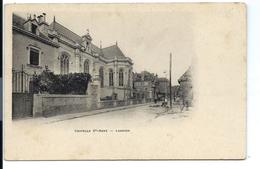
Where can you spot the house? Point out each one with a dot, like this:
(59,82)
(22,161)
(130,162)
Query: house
(143,89)
(163,87)
(38,44)
(143,85)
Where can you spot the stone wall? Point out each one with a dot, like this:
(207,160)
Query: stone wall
(52,104)
(46,105)
(119,103)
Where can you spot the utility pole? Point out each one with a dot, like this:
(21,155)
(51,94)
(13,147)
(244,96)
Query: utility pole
(166,85)
(170,80)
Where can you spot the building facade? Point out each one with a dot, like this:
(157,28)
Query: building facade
(163,87)
(143,89)
(38,44)
(144,85)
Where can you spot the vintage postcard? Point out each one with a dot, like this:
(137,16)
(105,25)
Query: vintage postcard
(125,81)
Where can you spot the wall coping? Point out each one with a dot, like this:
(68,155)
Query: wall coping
(103,101)
(62,95)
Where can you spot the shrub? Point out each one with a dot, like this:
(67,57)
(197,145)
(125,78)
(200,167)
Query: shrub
(48,82)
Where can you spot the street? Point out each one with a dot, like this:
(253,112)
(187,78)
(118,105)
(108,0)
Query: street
(128,116)
(81,135)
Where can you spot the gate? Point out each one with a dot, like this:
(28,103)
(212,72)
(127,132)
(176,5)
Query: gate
(21,82)
(22,99)
(22,105)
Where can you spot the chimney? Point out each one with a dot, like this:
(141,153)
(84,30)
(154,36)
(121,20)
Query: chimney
(43,25)
(39,18)
(44,17)
(27,24)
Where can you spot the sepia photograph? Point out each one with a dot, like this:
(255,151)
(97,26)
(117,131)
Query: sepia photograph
(57,71)
(125,81)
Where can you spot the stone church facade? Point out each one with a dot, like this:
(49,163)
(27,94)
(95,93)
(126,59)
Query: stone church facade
(37,44)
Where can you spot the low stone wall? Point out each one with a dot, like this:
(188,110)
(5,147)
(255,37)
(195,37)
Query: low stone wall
(140,101)
(47,105)
(50,105)
(119,103)
(106,104)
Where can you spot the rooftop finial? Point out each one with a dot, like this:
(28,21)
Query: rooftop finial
(116,43)
(100,44)
(54,21)
(87,31)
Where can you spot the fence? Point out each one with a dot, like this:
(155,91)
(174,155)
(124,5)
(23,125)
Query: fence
(21,81)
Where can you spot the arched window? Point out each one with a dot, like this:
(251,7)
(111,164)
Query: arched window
(86,66)
(101,76)
(129,77)
(64,64)
(121,77)
(111,77)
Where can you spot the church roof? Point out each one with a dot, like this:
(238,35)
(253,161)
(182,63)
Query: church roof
(109,52)
(113,51)
(18,21)
(96,49)
(65,32)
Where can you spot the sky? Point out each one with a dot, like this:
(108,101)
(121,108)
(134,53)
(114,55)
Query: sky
(146,35)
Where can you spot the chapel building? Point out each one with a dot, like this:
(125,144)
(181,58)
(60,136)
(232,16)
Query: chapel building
(38,44)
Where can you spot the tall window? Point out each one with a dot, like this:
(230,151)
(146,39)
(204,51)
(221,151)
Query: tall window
(34,28)
(111,77)
(34,56)
(129,77)
(121,77)
(64,64)
(101,75)
(86,66)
